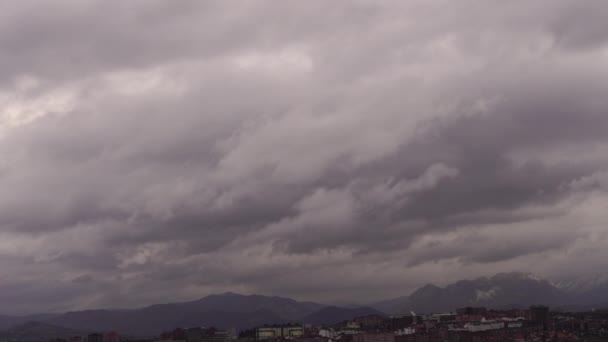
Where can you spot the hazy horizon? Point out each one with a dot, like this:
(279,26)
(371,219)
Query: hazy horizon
(363,302)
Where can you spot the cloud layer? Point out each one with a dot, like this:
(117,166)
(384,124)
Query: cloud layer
(153,151)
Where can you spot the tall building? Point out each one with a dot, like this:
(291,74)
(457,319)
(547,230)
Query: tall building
(195,335)
(112,337)
(95,337)
(539,313)
(401,322)
(370,321)
(178,334)
(215,335)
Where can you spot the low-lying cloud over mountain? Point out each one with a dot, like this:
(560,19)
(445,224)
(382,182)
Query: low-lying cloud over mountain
(501,291)
(231,310)
(156,151)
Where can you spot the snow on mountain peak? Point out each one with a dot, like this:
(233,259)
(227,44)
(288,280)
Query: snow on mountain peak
(485,295)
(581,284)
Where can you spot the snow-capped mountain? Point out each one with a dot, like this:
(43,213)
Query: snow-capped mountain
(588,291)
(503,290)
(582,284)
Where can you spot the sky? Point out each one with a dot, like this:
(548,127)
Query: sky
(336,151)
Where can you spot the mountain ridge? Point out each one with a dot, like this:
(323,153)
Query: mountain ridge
(239,311)
(500,291)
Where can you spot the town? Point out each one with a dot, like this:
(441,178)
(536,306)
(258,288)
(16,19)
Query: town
(470,324)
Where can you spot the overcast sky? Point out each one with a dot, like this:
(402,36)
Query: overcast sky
(336,151)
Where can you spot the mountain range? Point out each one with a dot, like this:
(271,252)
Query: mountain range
(503,291)
(589,290)
(231,310)
(228,310)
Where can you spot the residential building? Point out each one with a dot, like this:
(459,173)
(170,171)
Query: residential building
(539,313)
(112,337)
(278,331)
(374,337)
(368,322)
(95,337)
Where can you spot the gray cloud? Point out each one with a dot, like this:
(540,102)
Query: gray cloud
(341,152)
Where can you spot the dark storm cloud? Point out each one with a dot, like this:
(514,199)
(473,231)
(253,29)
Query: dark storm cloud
(265,147)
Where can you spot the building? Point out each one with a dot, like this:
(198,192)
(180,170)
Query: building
(405,331)
(539,313)
(440,318)
(374,337)
(370,321)
(432,336)
(472,311)
(401,322)
(278,331)
(95,337)
(484,326)
(112,337)
(215,335)
(194,335)
(178,334)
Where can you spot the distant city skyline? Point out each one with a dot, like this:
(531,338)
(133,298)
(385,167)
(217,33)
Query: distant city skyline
(161,151)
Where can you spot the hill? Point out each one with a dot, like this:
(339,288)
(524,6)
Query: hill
(228,310)
(36,332)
